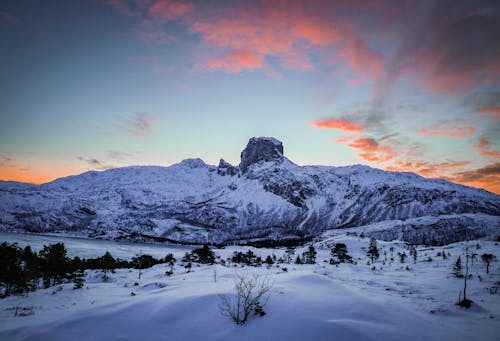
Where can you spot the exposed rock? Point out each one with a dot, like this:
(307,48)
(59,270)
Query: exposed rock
(225,168)
(260,149)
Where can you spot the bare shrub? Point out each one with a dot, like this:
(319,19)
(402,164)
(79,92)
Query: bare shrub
(249,291)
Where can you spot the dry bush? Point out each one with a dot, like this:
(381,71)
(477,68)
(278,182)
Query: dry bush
(249,291)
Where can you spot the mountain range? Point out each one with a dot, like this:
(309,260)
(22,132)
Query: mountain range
(266,197)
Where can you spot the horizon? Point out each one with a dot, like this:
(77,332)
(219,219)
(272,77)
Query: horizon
(216,165)
(400,86)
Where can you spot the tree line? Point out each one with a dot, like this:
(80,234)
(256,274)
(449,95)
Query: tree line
(23,270)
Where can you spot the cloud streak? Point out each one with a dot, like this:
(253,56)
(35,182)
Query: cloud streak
(137,124)
(337,124)
(449,129)
(95,164)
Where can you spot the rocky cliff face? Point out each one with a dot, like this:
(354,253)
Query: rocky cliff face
(265,197)
(259,150)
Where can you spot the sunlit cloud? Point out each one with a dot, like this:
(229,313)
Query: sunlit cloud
(487,177)
(337,124)
(370,149)
(485,148)
(448,128)
(170,10)
(236,61)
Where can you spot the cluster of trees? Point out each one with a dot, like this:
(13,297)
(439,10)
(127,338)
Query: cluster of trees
(339,254)
(247,258)
(23,270)
(201,255)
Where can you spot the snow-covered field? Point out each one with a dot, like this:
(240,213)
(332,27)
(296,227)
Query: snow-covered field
(306,302)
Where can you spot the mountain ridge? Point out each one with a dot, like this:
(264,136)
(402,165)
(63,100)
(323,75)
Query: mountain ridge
(266,197)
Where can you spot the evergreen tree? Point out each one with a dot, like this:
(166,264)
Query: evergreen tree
(413,253)
(309,257)
(402,257)
(107,263)
(373,250)
(339,254)
(298,260)
(55,263)
(78,278)
(201,255)
(457,268)
(487,258)
(10,268)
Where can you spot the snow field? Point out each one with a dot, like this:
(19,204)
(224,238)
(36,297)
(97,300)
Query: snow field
(307,302)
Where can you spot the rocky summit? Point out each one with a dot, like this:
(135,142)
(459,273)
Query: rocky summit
(266,198)
(260,149)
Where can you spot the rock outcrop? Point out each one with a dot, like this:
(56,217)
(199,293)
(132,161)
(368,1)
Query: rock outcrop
(260,149)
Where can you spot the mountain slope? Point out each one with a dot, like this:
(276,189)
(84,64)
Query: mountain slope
(265,197)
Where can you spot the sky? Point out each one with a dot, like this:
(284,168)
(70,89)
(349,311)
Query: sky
(398,85)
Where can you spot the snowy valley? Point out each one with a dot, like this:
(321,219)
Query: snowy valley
(350,253)
(384,300)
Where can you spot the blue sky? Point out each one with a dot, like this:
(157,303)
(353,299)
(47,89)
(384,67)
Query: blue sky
(398,86)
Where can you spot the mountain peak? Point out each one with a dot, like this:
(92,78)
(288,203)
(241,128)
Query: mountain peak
(260,149)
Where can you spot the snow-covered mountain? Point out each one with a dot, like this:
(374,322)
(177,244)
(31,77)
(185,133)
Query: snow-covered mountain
(266,197)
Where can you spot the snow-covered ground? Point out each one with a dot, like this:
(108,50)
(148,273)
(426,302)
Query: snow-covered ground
(306,302)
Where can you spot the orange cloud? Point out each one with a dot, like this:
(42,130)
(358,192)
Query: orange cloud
(236,61)
(448,128)
(338,124)
(487,177)
(427,169)
(377,151)
(170,10)
(485,149)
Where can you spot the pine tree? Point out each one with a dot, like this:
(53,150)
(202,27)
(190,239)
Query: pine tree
(55,263)
(402,257)
(373,250)
(310,255)
(487,258)
(413,253)
(108,263)
(339,254)
(457,268)
(78,278)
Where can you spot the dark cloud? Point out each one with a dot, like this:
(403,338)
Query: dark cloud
(95,164)
(8,18)
(486,173)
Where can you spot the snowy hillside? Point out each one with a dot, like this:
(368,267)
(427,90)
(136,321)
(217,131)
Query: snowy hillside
(386,300)
(266,197)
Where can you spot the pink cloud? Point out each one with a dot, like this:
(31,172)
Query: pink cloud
(494,112)
(362,59)
(285,32)
(448,128)
(170,10)
(236,61)
(338,124)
